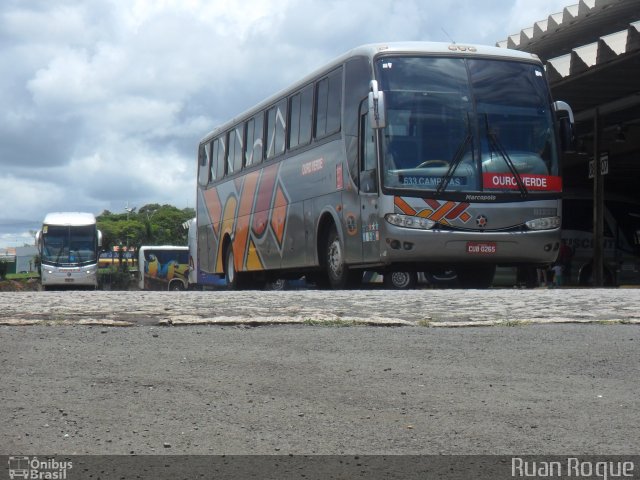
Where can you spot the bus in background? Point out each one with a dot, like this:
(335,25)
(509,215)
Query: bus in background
(163,267)
(115,258)
(68,244)
(621,239)
(412,157)
(199,279)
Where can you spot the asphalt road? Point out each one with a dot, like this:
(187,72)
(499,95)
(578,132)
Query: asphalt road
(327,386)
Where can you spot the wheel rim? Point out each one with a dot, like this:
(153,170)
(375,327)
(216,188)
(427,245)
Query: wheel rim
(400,279)
(334,258)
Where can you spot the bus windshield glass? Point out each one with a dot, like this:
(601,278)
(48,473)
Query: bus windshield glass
(69,245)
(467,125)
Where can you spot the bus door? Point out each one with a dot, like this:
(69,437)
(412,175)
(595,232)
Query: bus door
(368,185)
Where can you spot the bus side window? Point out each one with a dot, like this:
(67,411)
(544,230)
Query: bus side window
(230,151)
(239,148)
(300,108)
(220,157)
(234,151)
(215,145)
(322,93)
(247,151)
(204,162)
(367,156)
(253,141)
(328,104)
(276,128)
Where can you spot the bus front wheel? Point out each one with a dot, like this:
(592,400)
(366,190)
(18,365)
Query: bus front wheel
(338,275)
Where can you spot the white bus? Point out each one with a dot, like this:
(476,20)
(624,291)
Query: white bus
(163,267)
(419,157)
(68,244)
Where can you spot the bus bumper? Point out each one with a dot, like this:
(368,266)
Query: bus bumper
(77,276)
(402,245)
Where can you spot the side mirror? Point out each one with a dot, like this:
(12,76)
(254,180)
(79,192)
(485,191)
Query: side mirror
(377,112)
(99,238)
(564,114)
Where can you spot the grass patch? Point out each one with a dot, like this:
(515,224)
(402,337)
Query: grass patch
(21,276)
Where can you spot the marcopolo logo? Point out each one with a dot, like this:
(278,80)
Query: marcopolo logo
(38,469)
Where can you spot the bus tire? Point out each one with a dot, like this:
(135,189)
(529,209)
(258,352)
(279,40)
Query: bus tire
(336,270)
(442,277)
(400,280)
(176,286)
(230,273)
(479,276)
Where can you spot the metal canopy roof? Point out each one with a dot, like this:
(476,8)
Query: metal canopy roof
(579,24)
(592,54)
(591,51)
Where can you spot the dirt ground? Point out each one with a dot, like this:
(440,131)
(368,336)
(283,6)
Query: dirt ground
(19,285)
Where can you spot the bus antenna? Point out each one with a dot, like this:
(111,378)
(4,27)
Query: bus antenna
(447,34)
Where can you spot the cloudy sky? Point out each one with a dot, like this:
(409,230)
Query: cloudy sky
(103,102)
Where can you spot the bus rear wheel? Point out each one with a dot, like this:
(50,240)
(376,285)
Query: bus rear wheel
(232,277)
(400,280)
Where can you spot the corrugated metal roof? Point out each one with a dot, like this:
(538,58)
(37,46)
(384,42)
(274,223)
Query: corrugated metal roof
(604,50)
(577,24)
(591,51)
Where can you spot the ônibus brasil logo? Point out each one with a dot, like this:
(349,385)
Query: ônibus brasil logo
(36,469)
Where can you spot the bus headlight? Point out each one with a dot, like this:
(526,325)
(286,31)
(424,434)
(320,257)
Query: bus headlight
(409,221)
(547,223)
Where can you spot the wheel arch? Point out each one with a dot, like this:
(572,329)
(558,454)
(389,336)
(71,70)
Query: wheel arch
(327,219)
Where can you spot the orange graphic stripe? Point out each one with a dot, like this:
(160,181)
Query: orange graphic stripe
(404,206)
(263,200)
(226,228)
(241,233)
(457,211)
(212,201)
(442,211)
(279,216)
(433,204)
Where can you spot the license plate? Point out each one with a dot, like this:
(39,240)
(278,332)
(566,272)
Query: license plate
(68,280)
(481,248)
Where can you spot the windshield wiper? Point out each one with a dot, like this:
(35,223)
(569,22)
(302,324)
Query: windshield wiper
(455,161)
(497,145)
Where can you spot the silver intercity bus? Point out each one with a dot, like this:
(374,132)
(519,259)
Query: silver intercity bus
(394,157)
(68,245)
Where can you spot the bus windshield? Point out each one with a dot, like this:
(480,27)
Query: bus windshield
(467,125)
(69,245)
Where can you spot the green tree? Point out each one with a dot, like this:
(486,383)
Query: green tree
(153,224)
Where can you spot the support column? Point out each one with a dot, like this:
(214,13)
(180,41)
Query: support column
(598,205)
